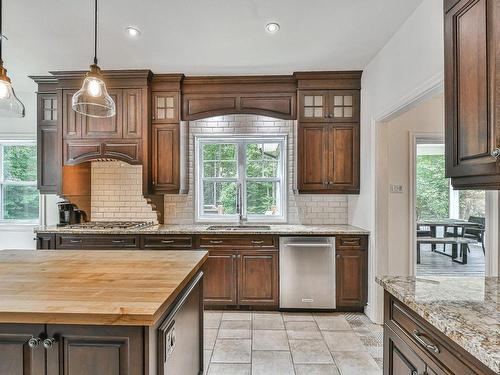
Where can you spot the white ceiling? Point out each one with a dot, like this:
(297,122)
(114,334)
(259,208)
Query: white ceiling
(198,36)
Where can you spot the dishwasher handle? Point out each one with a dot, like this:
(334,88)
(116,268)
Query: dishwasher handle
(296,244)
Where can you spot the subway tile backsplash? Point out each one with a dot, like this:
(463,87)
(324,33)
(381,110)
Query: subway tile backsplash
(116,193)
(117,189)
(302,209)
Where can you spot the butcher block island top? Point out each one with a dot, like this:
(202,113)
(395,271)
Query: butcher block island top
(132,288)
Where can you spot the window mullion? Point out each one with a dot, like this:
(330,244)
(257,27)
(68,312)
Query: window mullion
(242,175)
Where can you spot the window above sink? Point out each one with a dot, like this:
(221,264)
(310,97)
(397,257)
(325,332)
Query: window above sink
(241,176)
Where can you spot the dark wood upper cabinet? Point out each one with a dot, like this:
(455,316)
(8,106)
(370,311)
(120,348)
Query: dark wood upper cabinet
(49,164)
(166,158)
(328,137)
(134,106)
(16,356)
(329,105)
(165,107)
(328,158)
(106,128)
(472,102)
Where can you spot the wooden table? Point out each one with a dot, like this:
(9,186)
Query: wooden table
(455,242)
(101,312)
(447,223)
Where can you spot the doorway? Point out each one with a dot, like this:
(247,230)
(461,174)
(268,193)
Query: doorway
(449,225)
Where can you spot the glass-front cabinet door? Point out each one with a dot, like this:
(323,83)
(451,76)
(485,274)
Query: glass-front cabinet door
(165,107)
(329,106)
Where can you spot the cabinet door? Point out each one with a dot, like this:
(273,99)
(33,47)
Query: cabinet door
(16,357)
(343,158)
(166,167)
(472,80)
(313,105)
(133,107)
(312,157)
(109,127)
(399,358)
(96,350)
(258,278)
(343,105)
(49,160)
(165,107)
(45,241)
(219,283)
(71,120)
(351,267)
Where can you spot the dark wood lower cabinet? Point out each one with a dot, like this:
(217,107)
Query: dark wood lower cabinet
(241,270)
(412,346)
(220,278)
(242,277)
(97,350)
(16,356)
(351,278)
(258,278)
(400,359)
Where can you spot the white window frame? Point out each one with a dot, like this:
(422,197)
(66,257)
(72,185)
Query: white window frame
(21,141)
(241,141)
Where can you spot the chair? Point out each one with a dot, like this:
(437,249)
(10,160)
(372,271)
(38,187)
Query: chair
(476,233)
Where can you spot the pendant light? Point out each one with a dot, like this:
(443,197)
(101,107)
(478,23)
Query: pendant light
(93,99)
(10,105)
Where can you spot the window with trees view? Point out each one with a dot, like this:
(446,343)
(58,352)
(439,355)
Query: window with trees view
(251,167)
(19,198)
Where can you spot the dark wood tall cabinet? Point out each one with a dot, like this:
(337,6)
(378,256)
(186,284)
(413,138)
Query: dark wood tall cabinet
(166,116)
(328,133)
(472,99)
(48,136)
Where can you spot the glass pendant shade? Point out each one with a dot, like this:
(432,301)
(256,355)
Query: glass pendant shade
(93,99)
(10,105)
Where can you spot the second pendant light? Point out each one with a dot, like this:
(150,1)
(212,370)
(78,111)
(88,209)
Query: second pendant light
(93,99)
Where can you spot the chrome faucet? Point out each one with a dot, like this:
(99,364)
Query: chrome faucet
(242,219)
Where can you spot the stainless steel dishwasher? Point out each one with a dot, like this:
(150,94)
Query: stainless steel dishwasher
(307,272)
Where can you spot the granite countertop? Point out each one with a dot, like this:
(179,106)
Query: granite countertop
(466,309)
(93,287)
(280,229)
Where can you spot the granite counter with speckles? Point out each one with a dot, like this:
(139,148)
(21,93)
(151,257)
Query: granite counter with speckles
(280,229)
(465,309)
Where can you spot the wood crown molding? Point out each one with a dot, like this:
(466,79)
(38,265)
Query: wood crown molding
(239,84)
(348,80)
(114,78)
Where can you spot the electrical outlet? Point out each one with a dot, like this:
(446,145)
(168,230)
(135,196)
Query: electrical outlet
(397,189)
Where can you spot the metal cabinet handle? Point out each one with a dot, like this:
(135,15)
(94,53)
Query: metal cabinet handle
(350,242)
(33,342)
(429,346)
(117,241)
(48,343)
(215,242)
(75,241)
(496,153)
(257,242)
(167,241)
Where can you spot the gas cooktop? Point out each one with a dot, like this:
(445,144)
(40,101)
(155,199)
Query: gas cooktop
(111,225)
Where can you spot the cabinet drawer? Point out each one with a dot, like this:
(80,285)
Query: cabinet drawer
(268,242)
(405,324)
(351,242)
(167,242)
(96,242)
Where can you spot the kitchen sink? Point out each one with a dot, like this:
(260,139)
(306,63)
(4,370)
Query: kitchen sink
(239,227)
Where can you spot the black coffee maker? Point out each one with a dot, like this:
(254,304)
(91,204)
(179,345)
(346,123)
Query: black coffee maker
(69,214)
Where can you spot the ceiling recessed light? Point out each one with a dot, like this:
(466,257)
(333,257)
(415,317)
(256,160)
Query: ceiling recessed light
(132,32)
(272,28)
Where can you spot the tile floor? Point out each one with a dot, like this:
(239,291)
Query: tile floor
(273,343)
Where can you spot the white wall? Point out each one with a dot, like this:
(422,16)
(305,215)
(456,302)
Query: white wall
(393,157)
(409,65)
(21,236)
